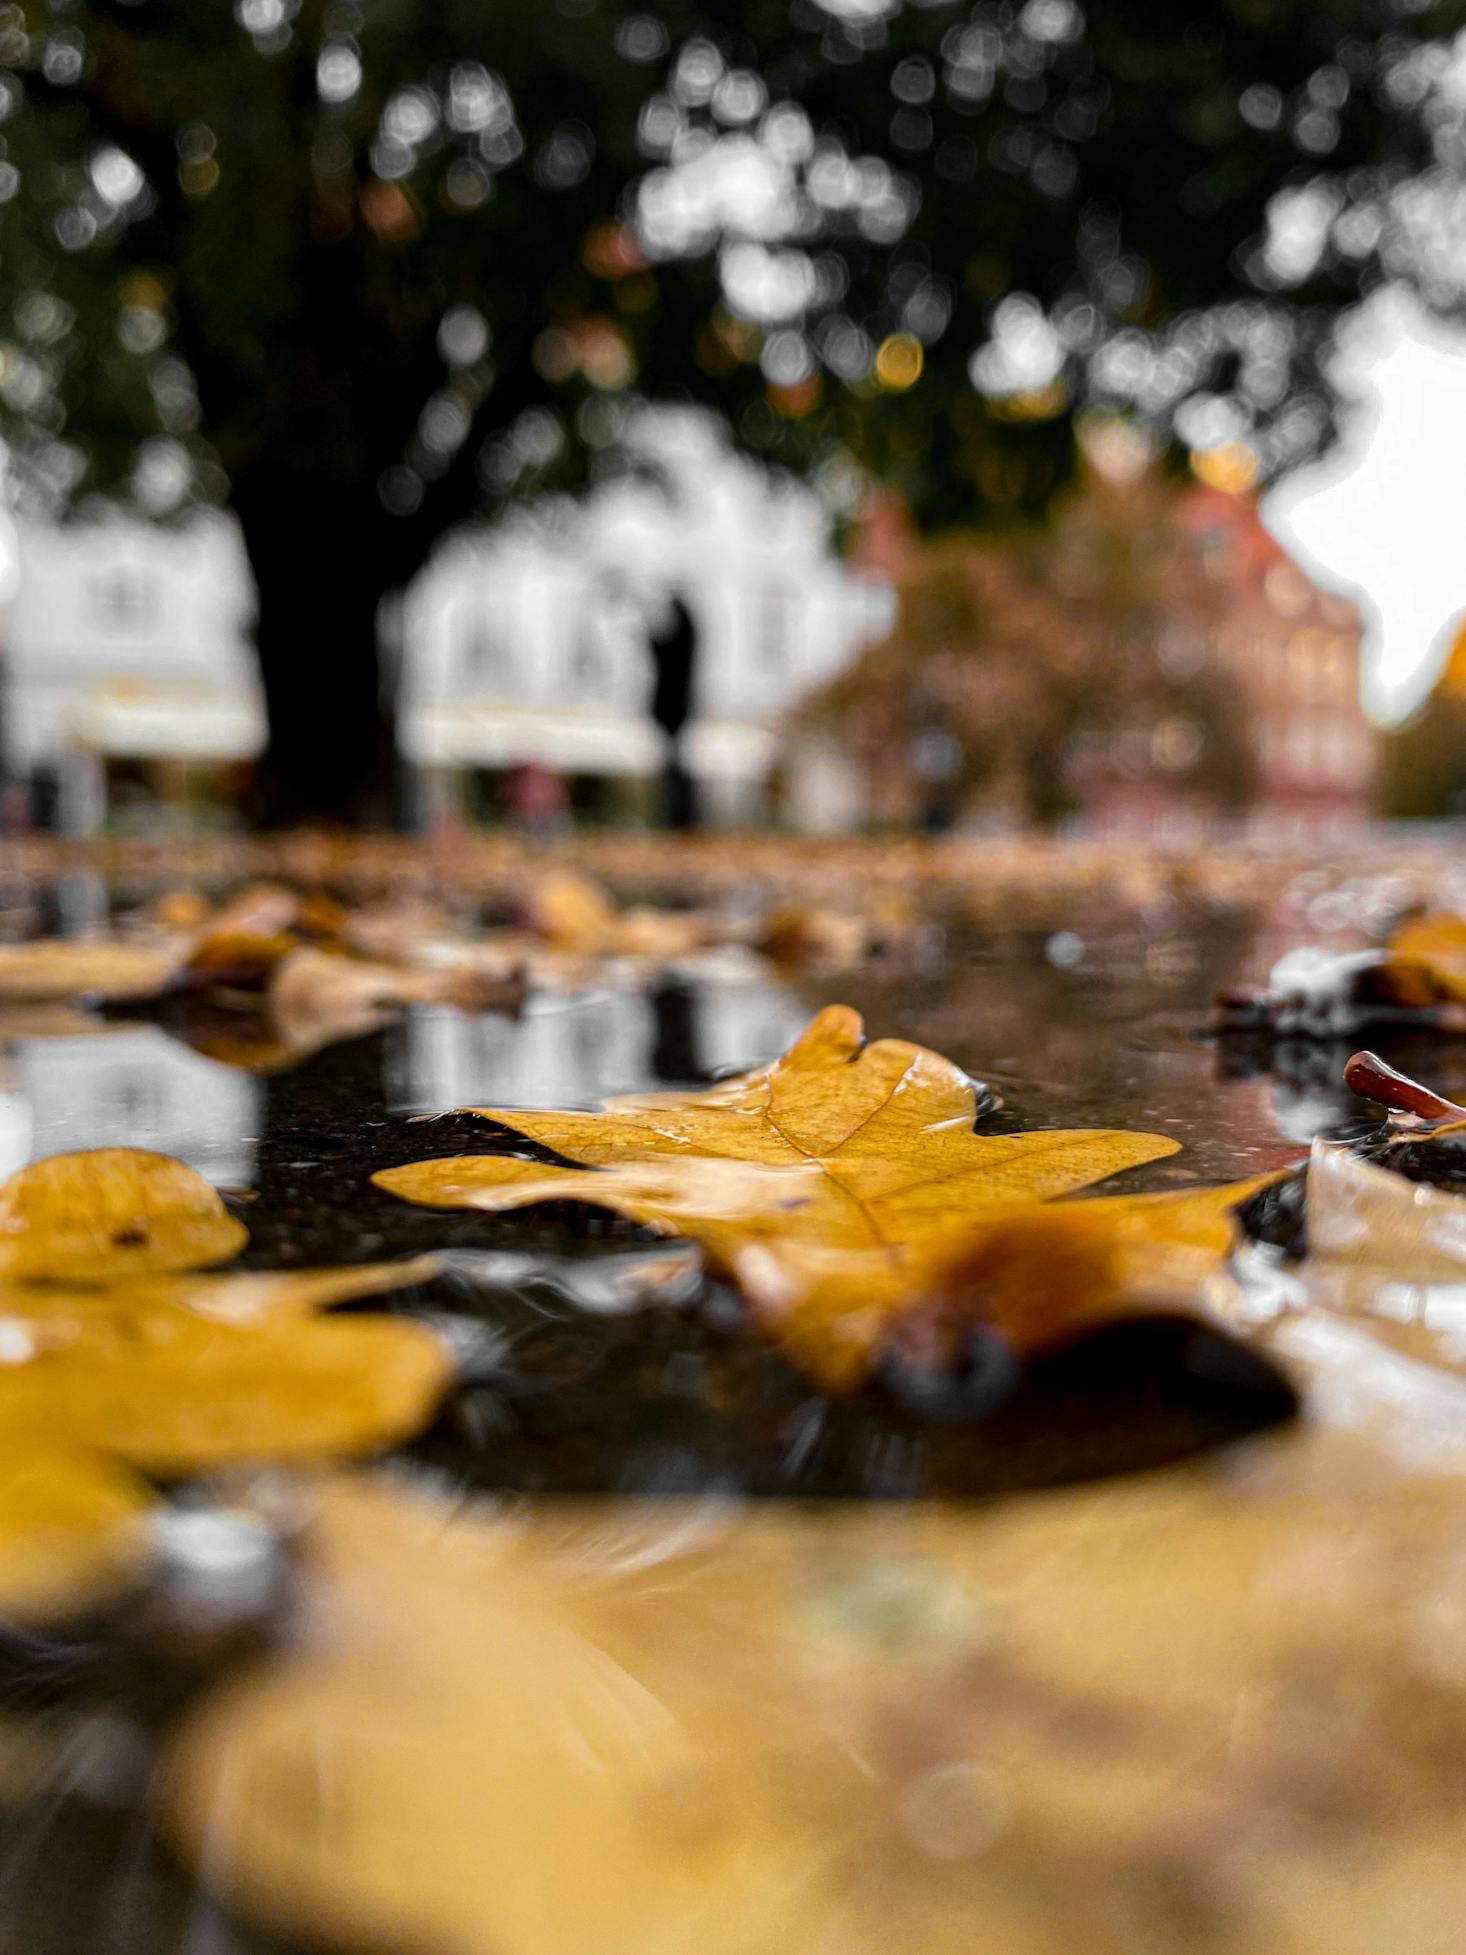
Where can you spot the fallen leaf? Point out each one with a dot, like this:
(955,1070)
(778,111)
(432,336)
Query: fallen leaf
(114,1341)
(282,971)
(1219,1708)
(577,917)
(1425,961)
(312,989)
(179,1395)
(58,1314)
(1419,976)
(1386,1254)
(1373,1227)
(59,968)
(111,1212)
(801,934)
(1044,1276)
(568,910)
(827,1184)
(73,1532)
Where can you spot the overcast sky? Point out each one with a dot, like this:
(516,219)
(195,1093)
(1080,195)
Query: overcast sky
(1383,517)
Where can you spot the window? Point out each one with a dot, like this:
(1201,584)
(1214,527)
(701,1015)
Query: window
(776,620)
(587,661)
(483,656)
(125,598)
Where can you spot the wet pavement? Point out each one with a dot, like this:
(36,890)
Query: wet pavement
(599,1361)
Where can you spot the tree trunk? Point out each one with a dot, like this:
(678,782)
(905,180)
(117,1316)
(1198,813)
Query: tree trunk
(321,573)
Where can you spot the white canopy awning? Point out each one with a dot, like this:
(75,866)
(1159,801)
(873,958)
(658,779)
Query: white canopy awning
(150,722)
(732,750)
(473,733)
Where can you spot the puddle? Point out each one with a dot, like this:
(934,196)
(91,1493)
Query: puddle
(604,1365)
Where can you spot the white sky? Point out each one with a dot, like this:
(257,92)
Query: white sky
(1383,516)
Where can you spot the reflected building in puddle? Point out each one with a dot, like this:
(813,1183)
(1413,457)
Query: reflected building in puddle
(128,1086)
(573,1050)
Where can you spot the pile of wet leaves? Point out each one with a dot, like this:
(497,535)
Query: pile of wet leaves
(815,1506)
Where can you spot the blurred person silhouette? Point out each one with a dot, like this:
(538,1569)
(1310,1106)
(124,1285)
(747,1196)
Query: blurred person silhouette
(936,762)
(672,641)
(536,799)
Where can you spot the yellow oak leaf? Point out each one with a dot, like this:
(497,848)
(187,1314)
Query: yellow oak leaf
(828,1185)
(181,1395)
(242,1297)
(1045,1275)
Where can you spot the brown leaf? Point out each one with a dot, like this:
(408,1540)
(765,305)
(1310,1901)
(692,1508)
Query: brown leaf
(318,996)
(575,916)
(827,1185)
(569,911)
(1043,1277)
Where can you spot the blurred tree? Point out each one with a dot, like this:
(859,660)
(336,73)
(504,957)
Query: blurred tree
(1039,655)
(1423,776)
(361,269)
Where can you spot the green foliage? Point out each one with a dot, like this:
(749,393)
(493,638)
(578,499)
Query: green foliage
(1423,770)
(386,249)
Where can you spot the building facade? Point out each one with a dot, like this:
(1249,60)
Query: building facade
(1287,656)
(521,646)
(530,645)
(125,642)
(1292,650)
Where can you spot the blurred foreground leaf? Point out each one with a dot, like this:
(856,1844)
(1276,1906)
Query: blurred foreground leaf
(73,1531)
(1218,1708)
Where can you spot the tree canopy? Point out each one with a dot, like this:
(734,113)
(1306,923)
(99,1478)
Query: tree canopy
(362,269)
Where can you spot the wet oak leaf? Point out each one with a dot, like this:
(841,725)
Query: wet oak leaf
(55,1315)
(827,1184)
(1047,1276)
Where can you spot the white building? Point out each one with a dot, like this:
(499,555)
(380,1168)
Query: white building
(125,641)
(530,644)
(525,643)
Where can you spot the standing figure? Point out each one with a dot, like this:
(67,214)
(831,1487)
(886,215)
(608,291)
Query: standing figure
(672,640)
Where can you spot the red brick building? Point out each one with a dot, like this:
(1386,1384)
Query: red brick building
(1291,653)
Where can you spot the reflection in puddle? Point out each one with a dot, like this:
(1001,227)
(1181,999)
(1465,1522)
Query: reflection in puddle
(571,1051)
(872,1722)
(129,1086)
